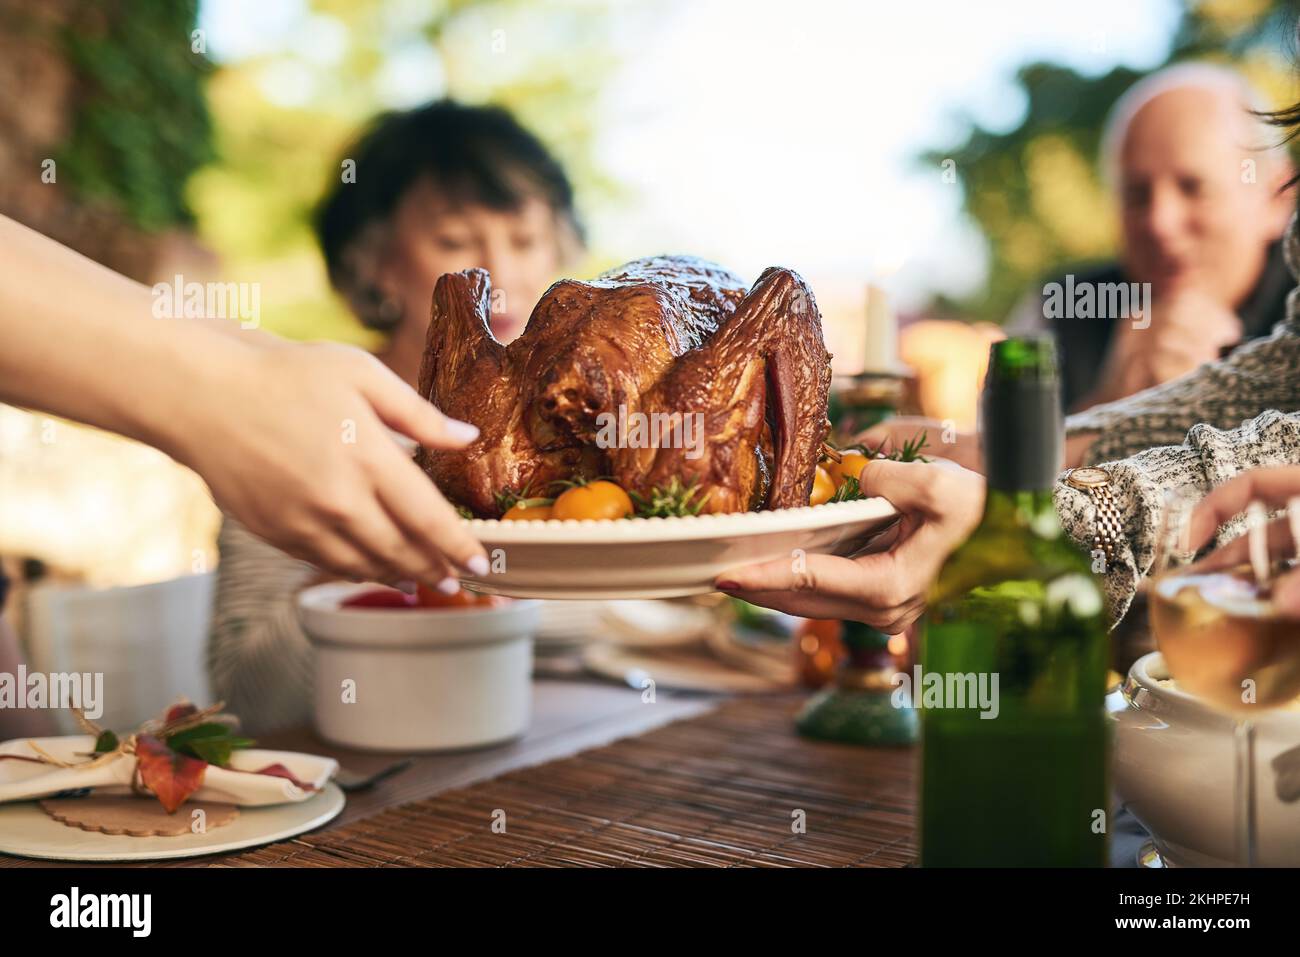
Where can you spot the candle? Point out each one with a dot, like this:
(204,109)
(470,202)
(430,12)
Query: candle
(880,348)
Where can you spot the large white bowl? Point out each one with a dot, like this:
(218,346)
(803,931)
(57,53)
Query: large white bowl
(1173,769)
(663,557)
(425,679)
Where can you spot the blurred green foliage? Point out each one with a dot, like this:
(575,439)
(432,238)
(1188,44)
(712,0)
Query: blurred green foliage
(1035,191)
(141,125)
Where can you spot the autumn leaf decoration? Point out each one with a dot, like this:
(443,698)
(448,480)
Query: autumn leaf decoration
(172,755)
(170,775)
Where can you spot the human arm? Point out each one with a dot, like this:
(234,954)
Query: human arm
(1180,332)
(1206,459)
(263,421)
(1257,376)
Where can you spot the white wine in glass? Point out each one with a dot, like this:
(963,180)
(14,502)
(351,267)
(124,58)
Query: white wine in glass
(1224,639)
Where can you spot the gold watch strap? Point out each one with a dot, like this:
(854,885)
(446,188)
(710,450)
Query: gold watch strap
(1107,529)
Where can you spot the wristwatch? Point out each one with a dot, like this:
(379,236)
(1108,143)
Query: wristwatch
(1108,528)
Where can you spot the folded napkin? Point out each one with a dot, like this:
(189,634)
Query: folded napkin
(26,780)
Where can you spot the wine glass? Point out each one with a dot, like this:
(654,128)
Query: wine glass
(1221,635)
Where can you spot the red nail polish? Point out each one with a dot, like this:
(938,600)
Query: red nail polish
(726,586)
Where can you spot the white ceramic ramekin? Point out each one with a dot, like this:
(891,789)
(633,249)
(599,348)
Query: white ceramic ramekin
(418,679)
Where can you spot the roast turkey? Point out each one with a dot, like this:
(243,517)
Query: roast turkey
(663,369)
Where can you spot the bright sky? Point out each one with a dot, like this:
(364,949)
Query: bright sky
(760,132)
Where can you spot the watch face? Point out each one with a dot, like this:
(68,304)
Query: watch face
(1089,478)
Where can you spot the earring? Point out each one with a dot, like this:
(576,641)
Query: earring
(378,311)
(388,313)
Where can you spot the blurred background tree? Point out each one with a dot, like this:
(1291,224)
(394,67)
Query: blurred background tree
(1035,191)
(83,156)
(103,120)
(284,118)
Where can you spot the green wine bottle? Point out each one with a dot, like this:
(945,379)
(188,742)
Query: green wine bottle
(1014,653)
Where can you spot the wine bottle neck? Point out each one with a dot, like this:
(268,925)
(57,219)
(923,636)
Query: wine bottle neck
(1023,437)
(1020,414)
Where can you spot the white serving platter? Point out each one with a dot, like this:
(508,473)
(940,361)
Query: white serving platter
(663,557)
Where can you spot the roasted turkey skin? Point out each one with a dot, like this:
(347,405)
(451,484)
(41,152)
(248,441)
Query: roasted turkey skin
(735,380)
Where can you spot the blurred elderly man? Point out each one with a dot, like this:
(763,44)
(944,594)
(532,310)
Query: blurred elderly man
(1200,184)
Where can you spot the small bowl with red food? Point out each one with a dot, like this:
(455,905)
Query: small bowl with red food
(421,672)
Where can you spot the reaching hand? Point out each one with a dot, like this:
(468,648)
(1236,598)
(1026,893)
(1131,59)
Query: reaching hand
(1274,487)
(293,439)
(296,444)
(1188,328)
(940,504)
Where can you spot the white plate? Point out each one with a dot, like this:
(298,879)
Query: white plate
(663,557)
(27,831)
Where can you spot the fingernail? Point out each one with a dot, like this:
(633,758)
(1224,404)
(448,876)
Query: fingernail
(726,586)
(449,586)
(405,587)
(461,431)
(478,565)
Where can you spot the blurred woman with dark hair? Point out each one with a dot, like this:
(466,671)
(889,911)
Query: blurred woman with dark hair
(434,190)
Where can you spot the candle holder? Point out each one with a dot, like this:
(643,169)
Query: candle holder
(858,402)
(864,706)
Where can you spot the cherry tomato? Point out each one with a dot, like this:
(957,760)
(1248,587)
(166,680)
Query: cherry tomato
(594,500)
(380,598)
(523,511)
(850,464)
(429,598)
(823,487)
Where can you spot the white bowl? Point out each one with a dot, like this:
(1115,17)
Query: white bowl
(424,679)
(663,557)
(1173,769)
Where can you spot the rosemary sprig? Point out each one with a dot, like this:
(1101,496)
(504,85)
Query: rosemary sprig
(849,491)
(674,500)
(911,450)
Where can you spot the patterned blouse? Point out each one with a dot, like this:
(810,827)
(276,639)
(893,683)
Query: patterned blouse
(1190,435)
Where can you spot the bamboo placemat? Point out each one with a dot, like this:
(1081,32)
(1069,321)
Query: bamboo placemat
(723,789)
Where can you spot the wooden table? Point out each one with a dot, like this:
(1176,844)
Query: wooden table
(605,779)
